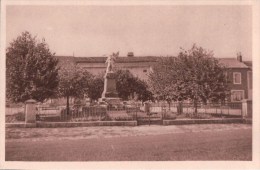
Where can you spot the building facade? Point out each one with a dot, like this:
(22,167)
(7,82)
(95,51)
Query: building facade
(239,72)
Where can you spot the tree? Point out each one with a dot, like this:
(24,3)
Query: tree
(195,75)
(31,69)
(162,81)
(128,85)
(73,82)
(96,87)
(141,89)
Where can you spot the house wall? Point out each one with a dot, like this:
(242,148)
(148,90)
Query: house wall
(139,69)
(93,68)
(250,84)
(244,80)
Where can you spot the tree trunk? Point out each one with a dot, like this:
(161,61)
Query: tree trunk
(68,105)
(169,105)
(179,108)
(196,107)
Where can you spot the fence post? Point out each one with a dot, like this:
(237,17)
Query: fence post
(147,110)
(164,110)
(147,107)
(136,109)
(30,113)
(247,108)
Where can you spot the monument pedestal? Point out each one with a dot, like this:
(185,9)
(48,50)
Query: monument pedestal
(110,86)
(110,94)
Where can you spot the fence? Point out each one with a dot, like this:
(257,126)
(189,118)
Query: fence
(86,113)
(81,113)
(15,114)
(227,109)
(14,110)
(127,112)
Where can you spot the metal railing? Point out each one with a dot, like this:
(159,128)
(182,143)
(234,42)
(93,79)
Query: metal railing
(135,112)
(213,109)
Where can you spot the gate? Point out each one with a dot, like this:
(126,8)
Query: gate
(150,115)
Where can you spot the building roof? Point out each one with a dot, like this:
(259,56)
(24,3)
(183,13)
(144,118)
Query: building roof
(248,63)
(227,62)
(118,60)
(65,59)
(232,63)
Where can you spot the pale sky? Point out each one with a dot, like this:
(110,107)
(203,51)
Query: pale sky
(144,30)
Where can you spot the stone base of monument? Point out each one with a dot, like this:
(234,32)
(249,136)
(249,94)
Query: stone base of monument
(114,104)
(110,86)
(110,94)
(112,100)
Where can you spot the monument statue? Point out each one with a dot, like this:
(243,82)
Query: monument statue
(111,61)
(110,92)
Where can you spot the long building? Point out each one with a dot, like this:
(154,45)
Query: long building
(240,71)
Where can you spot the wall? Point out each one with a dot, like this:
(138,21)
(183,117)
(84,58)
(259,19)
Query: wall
(250,85)
(136,68)
(244,83)
(94,68)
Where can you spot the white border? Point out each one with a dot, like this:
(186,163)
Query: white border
(128,2)
(255,164)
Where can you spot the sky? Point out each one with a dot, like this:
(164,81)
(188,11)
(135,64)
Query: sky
(145,30)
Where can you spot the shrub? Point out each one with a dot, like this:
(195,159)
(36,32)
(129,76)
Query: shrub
(199,116)
(123,118)
(170,116)
(20,116)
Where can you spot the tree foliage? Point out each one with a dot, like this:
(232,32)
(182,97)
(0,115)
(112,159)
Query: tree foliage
(73,82)
(96,87)
(129,86)
(195,75)
(162,82)
(31,69)
(141,90)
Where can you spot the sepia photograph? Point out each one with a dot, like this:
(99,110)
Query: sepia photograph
(114,82)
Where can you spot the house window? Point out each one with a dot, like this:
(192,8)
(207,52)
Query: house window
(237,95)
(237,78)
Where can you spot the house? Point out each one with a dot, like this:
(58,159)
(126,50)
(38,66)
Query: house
(240,81)
(240,72)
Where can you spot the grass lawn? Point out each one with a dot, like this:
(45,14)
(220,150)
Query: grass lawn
(234,144)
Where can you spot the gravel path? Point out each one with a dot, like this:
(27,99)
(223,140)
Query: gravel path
(220,143)
(49,134)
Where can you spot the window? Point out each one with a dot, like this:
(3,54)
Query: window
(237,78)
(237,95)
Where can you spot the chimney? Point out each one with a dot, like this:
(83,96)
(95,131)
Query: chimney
(239,57)
(130,54)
